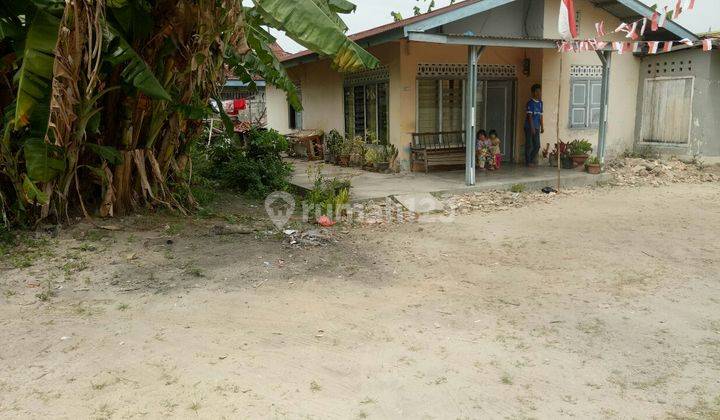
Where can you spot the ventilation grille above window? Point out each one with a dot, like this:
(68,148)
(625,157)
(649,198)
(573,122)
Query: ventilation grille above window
(586,72)
(459,71)
(664,67)
(380,74)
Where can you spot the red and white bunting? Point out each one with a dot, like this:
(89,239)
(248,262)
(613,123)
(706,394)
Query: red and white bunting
(637,46)
(653,47)
(631,31)
(707,44)
(678,9)
(600,28)
(663,18)
(655,19)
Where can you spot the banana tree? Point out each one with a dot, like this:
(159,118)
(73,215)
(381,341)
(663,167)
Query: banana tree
(106,96)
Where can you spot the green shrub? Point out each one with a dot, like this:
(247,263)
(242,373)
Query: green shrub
(517,188)
(255,168)
(327,196)
(333,142)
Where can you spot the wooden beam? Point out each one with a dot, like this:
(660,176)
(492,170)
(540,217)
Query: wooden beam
(480,41)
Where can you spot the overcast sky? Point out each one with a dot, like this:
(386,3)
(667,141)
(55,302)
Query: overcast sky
(372,13)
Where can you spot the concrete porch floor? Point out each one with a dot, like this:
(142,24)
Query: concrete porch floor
(371,185)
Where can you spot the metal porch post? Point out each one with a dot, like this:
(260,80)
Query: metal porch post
(606,60)
(470,102)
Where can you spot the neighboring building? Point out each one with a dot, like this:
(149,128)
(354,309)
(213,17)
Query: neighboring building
(678,111)
(422,82)
(256,109)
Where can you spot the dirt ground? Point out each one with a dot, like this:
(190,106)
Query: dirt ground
(599,304)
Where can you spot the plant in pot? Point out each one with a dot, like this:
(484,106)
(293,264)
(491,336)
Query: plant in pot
(333,143)
(386,155)
(593,165)
(345,150)
(563,149)
(372,157)
(579,151)
(357,152)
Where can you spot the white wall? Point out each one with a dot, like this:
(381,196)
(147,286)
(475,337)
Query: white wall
(277,109)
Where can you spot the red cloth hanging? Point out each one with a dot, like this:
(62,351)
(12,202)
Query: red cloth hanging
(239,104)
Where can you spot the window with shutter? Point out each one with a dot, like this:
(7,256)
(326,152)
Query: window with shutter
(595,87)
(585,102)
(578,104)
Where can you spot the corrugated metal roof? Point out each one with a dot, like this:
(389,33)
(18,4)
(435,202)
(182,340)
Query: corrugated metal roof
(359,36)
(614,7)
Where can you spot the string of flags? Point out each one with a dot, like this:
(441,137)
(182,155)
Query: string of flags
(633,31)
(653,47)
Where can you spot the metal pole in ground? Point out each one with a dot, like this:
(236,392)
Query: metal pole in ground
(557,125)
(470,116)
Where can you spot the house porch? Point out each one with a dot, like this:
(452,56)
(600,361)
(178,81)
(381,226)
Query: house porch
(372,185)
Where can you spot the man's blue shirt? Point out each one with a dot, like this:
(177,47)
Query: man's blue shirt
(535,110)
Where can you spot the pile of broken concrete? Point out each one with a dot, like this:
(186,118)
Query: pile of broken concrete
(658,172)
(491,201)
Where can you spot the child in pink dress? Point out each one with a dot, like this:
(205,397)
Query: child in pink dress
(495,148)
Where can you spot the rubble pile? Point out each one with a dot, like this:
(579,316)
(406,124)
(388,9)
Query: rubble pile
(486,201)
(657,172)
(312,237)
(378,213)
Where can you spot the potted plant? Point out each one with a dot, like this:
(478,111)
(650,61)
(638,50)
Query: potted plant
(346,150)
(372,157)
(387,154)
(579,151)
(333,143)
(562,148)
(357,151)
(593,165)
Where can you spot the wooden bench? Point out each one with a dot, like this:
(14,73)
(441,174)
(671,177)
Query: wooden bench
(438,149)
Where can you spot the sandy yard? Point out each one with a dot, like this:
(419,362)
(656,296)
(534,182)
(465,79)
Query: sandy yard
(599,304)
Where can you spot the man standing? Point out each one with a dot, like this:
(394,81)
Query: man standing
(534,125)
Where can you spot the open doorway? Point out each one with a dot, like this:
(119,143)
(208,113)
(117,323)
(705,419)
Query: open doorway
(495,105)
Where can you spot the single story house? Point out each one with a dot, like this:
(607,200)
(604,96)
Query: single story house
(423,84)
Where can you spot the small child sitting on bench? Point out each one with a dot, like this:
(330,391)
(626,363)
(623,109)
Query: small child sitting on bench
(483,152)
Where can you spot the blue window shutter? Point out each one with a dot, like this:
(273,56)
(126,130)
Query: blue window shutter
(579,103)
(594,103)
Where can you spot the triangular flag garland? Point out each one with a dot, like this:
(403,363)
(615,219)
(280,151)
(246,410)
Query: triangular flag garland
(634,30)
(707,44)
(657,20)
(635,46)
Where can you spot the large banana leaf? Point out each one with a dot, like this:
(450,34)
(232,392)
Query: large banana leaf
(314,24)
(35,74)
(44,161)
(33,193)
(262,60)
(341,6)
(136,71)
